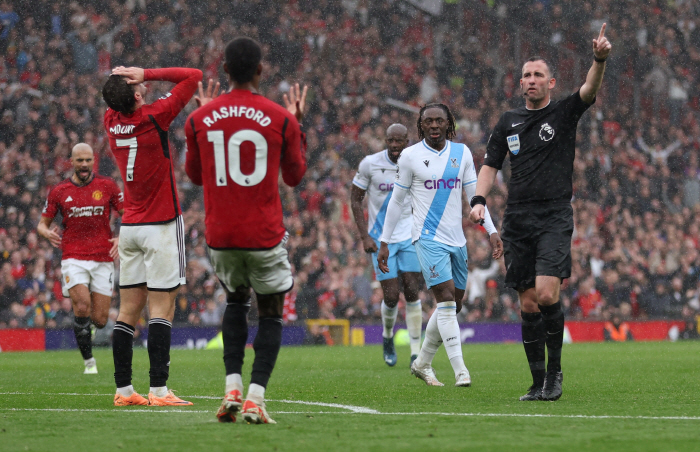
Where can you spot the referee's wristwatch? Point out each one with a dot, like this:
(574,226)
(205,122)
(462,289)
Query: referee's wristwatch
(477,200)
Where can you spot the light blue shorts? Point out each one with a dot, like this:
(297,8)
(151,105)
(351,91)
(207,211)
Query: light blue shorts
(440,263)
(402,259)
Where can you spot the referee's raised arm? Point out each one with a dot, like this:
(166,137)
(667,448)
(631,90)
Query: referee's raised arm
(594,79)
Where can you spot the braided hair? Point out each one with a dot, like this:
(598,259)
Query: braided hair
(451,128)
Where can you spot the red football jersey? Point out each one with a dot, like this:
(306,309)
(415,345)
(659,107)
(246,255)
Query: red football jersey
(140,145)
(236,145)
(86,211)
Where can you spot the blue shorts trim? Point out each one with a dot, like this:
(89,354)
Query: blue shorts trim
(402,259)
(440,263)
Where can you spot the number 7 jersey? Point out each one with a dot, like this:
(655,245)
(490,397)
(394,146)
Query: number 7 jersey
(236,146)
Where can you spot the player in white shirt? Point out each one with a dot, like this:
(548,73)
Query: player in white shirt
(434,172)
(375,177)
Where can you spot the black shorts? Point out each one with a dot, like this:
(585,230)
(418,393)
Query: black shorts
(537,242)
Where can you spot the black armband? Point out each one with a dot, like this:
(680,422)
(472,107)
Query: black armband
(599,60)
(477,200)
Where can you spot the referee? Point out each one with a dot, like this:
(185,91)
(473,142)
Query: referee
(538,222)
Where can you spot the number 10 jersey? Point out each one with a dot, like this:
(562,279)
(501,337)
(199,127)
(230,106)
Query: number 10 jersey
(236,146)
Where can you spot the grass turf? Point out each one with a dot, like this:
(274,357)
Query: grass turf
(632,396)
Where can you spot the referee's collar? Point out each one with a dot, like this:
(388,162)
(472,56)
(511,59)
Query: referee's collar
(541,108)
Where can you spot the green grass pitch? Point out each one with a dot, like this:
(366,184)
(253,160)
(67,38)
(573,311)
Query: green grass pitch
(617,397)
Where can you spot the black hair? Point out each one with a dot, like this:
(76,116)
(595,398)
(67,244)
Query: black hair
(118,94)
(243,55)
(451,128)
(542,59)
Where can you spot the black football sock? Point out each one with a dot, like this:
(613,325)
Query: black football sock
(123,352)
(159,351)
(553,318)
(234,332)
(267,345)
(534,335)
(81,327)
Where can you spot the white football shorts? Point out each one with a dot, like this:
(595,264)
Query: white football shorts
(267,271)
(153,255)
(97,276)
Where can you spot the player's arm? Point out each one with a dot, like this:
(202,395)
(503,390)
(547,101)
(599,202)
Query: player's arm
(494,238)
(356,196)
(193,163)
(594,79)
(393,215)
(117,202)
(294,154)
(496,151)
(294,151)
(360,183)
(50,234)
(402,184)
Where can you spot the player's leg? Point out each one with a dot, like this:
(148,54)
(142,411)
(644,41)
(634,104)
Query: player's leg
(553,264)
(165,273)
(133,296)
(80,297)
(534,336)
(454,348)
(76,280)
(132,302)
(411,278)
(390,287)
(519,255)
(230,269)
(437,272)
(101,288)
(271,277)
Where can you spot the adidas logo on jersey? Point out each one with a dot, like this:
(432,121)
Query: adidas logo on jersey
(69,199)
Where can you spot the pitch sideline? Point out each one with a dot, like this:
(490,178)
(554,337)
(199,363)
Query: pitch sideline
(352,409)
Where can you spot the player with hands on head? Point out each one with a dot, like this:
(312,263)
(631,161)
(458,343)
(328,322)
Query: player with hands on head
(85,201)
(375,177)
(538,222)
(434,172)
(152,244)
(237,145)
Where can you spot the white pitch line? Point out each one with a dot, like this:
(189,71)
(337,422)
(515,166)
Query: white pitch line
(351,410)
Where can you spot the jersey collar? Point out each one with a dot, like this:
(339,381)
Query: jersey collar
(541,108)
(386,156)
(447,144)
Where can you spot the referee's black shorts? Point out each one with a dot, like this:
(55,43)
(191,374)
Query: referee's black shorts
(537,242)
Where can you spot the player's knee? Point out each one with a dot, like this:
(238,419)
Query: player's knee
(391,300)
(81,309)
(547,297)
(240,296)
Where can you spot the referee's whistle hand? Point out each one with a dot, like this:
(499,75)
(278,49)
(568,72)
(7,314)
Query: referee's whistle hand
(477,214)
(383,257)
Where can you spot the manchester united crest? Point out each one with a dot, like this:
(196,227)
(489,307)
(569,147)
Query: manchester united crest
(96,195)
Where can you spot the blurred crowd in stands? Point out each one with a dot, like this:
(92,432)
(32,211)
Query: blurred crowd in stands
(371,63)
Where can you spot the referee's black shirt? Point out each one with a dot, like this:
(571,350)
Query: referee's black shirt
(541,144)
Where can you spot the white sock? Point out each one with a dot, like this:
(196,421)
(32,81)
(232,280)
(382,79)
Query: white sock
(256,393)
(414,324)
(451,337)
(388,320)
(90,362)
(234,382)
(126,391)
(160,391)
(431,343)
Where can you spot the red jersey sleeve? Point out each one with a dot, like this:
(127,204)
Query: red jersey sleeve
(117,198)
(193,163)
(294,154)
(51,207)
(167,108)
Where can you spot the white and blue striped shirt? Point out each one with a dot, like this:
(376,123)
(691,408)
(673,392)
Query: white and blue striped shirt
(435,180)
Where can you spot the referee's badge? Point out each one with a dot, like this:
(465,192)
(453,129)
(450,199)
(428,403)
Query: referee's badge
(514,144)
